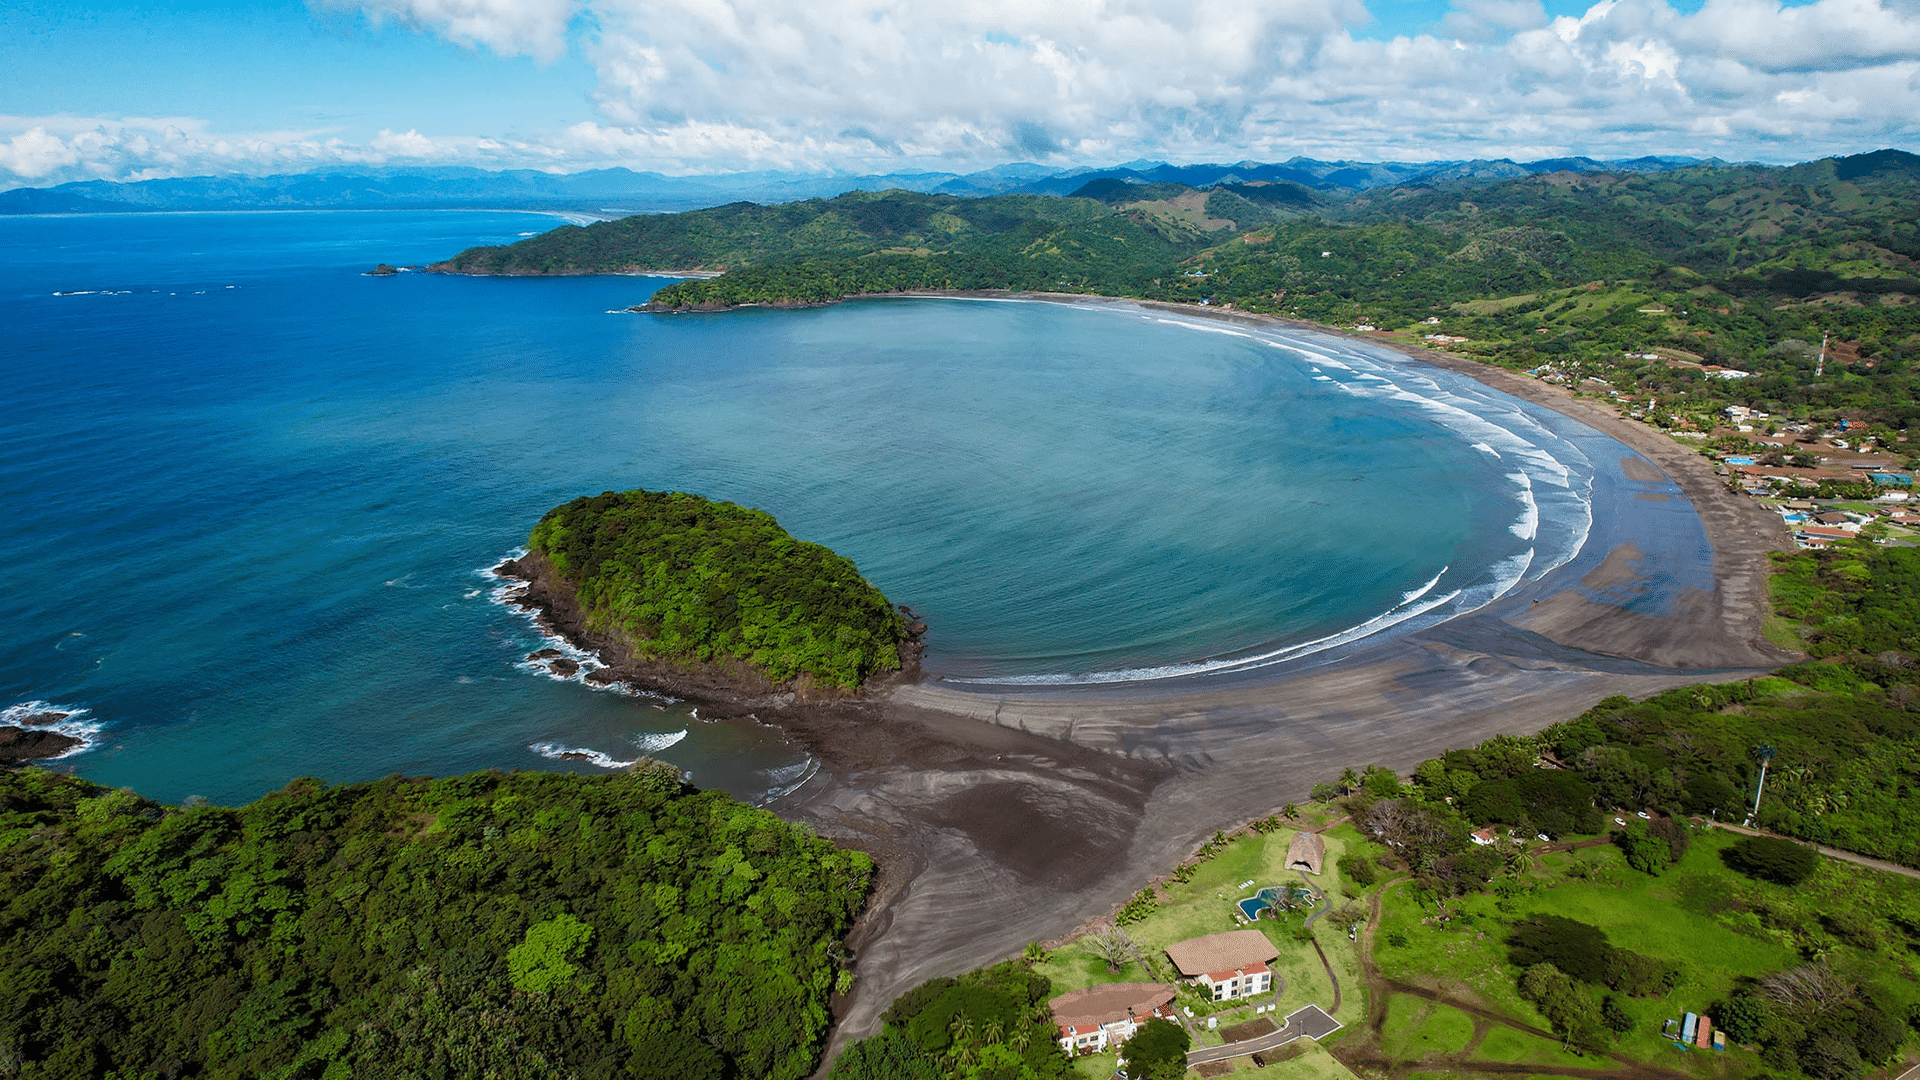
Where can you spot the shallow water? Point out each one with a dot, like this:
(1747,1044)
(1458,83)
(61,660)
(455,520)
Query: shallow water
(249,492)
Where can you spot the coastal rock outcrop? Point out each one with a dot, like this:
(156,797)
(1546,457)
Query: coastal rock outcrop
(19,744)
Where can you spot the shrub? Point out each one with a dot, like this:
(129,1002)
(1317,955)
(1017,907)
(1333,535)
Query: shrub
(1645,852)
(1359,869)
(1573,948)
(1138,908)
(1744,1017)
(1158,1051)
(1771,858)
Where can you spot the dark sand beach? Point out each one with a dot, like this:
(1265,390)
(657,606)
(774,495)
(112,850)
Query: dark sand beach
(1003,815)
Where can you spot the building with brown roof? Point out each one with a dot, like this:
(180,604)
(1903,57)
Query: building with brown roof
(1232,964)
(1098,1017)
(1306,851)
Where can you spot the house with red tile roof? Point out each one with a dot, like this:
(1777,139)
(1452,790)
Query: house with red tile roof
(1099,1017)
(1227,965)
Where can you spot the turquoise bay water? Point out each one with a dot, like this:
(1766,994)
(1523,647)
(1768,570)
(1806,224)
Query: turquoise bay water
(249,492)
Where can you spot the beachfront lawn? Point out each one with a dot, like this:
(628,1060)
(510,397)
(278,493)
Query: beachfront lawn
(1206,904)
(1096,1066)
(1071,968)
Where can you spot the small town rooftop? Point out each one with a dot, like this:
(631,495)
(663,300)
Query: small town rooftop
(1230,950)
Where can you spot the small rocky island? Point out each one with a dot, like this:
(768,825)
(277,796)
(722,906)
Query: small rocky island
(29,737)
(709,600)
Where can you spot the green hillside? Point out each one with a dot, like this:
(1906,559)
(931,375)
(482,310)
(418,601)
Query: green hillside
(1641,282)
(525,925)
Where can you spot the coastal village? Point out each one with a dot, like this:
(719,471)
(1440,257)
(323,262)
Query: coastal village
(1833,478)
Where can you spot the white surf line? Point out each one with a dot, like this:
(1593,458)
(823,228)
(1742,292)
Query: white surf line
(1399,613)
(503,594)
(573,753)
(653,743)
(71,724)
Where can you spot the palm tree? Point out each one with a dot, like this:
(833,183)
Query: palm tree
(1020,1038)
(1349,779)
(1519,860)
(962,1031)
(996,1031)
(1290,811)
(1764,754)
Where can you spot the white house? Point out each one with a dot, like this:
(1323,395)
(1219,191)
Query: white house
(1227,965)
(1099,1017)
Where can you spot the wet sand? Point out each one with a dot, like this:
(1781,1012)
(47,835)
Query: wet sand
(1004,815)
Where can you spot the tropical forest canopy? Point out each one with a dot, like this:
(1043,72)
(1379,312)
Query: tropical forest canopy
(684,579)
(522,925)
(990,1024)
(1842,735)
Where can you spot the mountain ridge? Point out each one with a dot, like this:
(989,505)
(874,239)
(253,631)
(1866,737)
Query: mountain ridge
(620,191)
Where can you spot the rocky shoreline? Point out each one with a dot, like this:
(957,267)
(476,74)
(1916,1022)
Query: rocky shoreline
(29,738)
(725,690)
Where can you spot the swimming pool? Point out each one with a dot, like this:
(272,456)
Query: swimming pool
(1253,905)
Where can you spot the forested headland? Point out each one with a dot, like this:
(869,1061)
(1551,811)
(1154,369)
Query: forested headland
(679,578)
(1644,281)
(522,925)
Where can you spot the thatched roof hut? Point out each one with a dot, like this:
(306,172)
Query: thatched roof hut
(1306,851)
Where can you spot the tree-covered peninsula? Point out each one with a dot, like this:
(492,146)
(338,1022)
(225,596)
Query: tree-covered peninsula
(677,578)
(511,925)
(1649,282)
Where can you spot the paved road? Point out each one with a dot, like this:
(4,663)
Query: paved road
(1306,1022)
(1271,1041)
(1844,856)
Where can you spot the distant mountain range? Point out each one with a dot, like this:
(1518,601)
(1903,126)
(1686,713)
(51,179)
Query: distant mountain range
(613,192)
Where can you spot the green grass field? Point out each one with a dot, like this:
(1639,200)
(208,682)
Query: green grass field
(1416,1028)
(1718,925)
(1205,904)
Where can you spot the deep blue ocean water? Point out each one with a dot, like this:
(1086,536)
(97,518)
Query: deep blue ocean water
(248,493)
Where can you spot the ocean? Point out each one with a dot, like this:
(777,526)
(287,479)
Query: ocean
(250,494)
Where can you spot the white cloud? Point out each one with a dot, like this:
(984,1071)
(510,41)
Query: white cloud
(34,153)
(716,85)
(536,28)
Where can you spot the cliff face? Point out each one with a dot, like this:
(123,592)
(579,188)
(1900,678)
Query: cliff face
(732,683)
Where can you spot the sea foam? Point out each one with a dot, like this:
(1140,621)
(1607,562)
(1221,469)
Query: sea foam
(1489,424)
(74,724)
(557,752)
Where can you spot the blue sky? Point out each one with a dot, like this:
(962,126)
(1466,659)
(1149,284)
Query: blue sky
(108,88)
